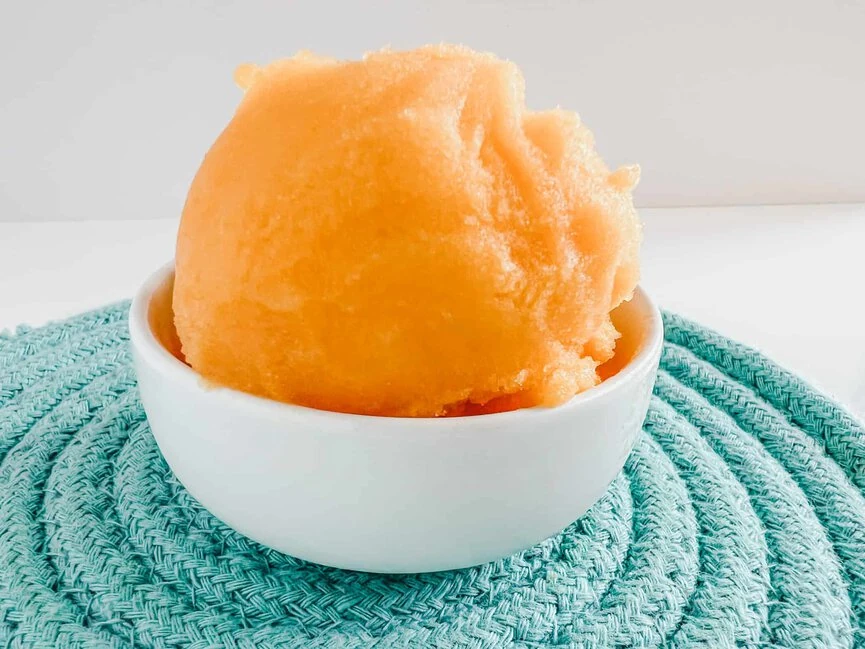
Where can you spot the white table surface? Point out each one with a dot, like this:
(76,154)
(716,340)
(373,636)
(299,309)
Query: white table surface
(785,279)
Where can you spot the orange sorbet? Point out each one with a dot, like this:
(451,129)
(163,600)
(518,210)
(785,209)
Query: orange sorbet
(401,236)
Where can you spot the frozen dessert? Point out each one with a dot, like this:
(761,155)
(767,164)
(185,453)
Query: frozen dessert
(400,236)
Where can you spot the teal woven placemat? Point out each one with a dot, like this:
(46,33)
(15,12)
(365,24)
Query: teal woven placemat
(739,521)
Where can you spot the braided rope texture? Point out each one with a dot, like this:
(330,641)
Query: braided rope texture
(739,521)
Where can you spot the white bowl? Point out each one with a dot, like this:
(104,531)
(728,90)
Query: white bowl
(389,494)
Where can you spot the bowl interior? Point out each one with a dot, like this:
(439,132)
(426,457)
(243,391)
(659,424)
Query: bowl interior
(160,317)
(633,321)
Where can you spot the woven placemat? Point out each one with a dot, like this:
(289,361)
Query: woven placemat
(739,521)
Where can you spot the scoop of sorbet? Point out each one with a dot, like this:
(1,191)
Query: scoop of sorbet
(400,236)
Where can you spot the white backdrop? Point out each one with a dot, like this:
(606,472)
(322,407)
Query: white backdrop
(106,108)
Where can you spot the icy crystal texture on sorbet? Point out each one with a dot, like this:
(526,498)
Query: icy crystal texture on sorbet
(401,236)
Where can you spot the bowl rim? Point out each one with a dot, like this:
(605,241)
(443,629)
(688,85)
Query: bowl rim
(144,342)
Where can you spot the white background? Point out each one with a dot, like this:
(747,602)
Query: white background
(106,109)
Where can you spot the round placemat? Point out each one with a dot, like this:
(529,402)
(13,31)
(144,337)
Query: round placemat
(739,521)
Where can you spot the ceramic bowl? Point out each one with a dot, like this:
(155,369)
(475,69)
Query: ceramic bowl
(388,494)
